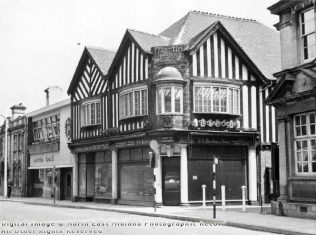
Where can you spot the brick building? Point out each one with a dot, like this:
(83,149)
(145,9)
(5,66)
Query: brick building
(185,96)
(17,151)
(294,99)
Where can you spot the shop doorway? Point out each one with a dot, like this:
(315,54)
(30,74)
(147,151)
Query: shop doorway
(66,184)
(171,181)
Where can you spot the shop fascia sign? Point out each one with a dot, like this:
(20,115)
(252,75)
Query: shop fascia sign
(108,131)
(213,124)
(131,143)
(41,159)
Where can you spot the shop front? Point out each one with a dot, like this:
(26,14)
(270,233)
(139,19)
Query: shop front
(48,174)
(115,173)
(95,176)
(136,178)
(185,164)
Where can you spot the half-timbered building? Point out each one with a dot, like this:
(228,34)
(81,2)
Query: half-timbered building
(90,105)
(185,96)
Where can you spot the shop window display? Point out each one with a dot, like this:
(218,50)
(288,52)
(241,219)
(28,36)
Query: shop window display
(137,182)
(103,174)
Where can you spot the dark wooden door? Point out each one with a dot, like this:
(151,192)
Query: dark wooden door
(171,181)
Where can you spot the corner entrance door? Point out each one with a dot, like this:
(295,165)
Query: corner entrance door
(171,181)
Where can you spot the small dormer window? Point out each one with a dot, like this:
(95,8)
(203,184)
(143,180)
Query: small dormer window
(308,34)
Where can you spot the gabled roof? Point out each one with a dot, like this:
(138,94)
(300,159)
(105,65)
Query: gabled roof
(102,58)
(143,40)
(259,42)
(216,27)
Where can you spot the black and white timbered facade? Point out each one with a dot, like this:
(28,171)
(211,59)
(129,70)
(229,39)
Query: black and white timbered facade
(185,96)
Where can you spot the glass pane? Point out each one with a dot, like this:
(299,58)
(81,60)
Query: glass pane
(314,167)
(298,131)
(167,99)
(103,179)
(309,27)
(299,156)
(313,129)
(131,106)
(305,156)
(98,113)
(313,153)
(313,144)
(93,116)
(159,100)
(137,182)
(137,102)
(304,130)
(172,181)
(304,144)
(236,101)
(305,167)
(223,99)
(82,180)
(298,145)
(312,118)
(297,120)
(311,49)
(177,99)
(144,102)
(299,167)
(126,105)
(198,99)
(303,120)
(215,99)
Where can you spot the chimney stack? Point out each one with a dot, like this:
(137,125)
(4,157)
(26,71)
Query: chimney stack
(17,110)
(54,94)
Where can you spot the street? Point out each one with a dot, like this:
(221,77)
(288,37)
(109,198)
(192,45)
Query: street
(19,218)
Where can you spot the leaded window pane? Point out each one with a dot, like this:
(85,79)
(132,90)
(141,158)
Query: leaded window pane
(223,100)
(198,99)
(159,100)
(167,99)
(216,99)
(144,102)
(177,99)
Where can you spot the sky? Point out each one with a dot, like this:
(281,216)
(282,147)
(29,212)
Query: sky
(41,41)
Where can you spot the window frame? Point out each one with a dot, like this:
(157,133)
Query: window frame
(160,107)
(86,114)
(308,138)
(230,102)
(127,99)
(302,36)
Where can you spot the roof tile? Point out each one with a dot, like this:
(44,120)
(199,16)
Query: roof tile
(102,57)
(260,43)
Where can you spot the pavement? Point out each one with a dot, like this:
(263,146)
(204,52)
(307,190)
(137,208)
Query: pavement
(254,218)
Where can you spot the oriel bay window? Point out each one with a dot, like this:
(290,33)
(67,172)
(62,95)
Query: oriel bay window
(133,103)
(169,99)
(308,33)
(91,113)
(216,99)
(305,143)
